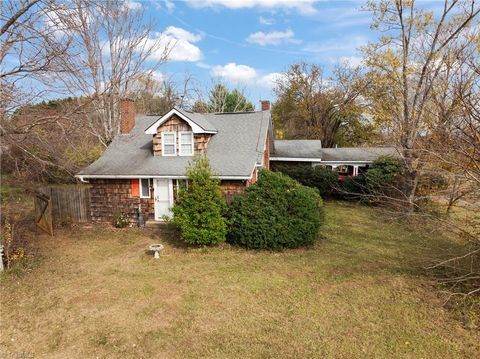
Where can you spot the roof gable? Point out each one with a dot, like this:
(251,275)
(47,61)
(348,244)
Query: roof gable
(197,123)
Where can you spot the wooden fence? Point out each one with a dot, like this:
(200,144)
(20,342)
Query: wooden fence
(69,203)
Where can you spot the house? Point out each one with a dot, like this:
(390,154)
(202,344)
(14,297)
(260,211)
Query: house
(347,161)
(145,165)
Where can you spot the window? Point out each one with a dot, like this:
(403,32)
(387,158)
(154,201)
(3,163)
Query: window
(186,143)
(145,188)
(169,147)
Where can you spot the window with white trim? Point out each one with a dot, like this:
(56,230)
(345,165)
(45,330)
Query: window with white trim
(169,145)
(186,143)
(144,187)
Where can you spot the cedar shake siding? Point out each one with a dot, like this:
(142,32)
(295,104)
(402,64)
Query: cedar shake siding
(110,195)
(232,188)
(176,124)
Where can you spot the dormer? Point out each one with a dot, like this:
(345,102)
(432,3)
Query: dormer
(180,133)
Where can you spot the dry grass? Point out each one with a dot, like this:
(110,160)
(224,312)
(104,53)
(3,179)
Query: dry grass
(360,292)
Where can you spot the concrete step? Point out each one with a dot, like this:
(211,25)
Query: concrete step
(159,225)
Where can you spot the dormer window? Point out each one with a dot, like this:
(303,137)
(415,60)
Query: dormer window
(169,144)
(186,143)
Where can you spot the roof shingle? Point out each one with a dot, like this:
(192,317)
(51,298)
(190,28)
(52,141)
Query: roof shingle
(233,151)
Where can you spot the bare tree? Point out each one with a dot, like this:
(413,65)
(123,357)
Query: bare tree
(424,89)
(92,51)
(112,47)
(405,67)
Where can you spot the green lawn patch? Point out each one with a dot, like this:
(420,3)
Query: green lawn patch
(360,292)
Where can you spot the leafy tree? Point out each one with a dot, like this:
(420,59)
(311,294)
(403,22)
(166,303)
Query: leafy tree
(198,212)
(312,107)
(221,99)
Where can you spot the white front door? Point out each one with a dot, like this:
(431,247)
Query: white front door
(163,194)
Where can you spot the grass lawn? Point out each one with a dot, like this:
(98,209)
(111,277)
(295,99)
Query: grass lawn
(360,292)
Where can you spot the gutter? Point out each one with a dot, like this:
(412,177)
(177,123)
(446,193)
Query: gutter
(82,177)
(295,159)
(317,160)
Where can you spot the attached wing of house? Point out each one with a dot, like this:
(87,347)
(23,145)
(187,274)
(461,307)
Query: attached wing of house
(348,161)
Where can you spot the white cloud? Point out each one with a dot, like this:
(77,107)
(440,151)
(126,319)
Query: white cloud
(182,34)
(203,65)
(134,5)
(304,7)
(170,6)
(351,60)
(158,76)
(235,73)
(266,21)
(269,81)
(245,75)
(179,42)
(273,38)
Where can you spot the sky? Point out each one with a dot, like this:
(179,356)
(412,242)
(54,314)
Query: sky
(247,43)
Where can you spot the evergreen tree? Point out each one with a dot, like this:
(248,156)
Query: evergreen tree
(198,212)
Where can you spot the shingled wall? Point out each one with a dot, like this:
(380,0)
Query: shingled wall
(110,195)
(176,124)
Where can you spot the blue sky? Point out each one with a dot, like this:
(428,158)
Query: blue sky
(246,43)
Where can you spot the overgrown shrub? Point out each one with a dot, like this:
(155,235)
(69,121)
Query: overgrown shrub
(277,212)
(380,182)
(120,219)
(383,171)
(319,177)
(353,188)
(198,211)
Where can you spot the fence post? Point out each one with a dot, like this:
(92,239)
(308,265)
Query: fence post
(1,257)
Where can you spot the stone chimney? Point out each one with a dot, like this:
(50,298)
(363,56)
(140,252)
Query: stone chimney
(265,105)
(127,115)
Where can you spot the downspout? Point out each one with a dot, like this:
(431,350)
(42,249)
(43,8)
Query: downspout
(82,180)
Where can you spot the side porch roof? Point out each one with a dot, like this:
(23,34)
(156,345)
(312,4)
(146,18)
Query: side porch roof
(312,151)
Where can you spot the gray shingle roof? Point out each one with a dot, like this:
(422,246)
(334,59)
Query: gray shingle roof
(200,119)
(367,154)
(312,149)
(233,151)
(298,148)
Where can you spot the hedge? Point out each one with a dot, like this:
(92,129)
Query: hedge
(275,213)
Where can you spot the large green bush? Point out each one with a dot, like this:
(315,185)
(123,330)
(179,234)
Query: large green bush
(383,171)
(198,211)
(319,177)
(277,212)
(377,184)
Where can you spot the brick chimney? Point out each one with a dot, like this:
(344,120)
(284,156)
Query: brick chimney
(265,105)
(127,115)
